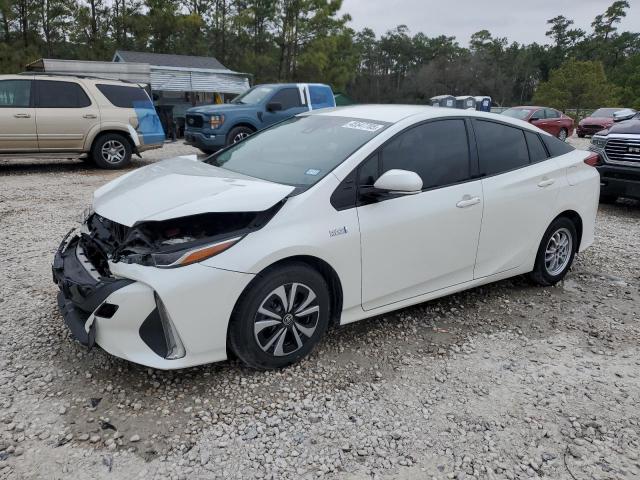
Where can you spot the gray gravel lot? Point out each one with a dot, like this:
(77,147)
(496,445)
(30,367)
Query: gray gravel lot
(503,381)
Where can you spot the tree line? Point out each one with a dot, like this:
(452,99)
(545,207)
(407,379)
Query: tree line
(310,40)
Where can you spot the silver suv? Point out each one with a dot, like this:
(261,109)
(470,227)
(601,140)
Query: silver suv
(103,121)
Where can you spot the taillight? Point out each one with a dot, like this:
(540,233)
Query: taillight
(593,160)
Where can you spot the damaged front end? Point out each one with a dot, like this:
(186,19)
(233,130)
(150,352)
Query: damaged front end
(81,266)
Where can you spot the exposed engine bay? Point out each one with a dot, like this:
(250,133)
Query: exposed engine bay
(152,243)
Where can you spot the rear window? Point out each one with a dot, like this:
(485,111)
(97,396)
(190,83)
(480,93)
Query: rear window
(556,147)
(56,94)
(537,153)
(125,96)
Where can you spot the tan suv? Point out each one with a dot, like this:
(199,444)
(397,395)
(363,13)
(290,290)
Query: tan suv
(103,121)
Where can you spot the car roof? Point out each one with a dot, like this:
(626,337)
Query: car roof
(396,113)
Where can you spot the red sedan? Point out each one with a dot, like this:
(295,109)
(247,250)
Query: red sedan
(601,119)
(548,119)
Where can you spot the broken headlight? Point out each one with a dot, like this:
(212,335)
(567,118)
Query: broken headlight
(181,258)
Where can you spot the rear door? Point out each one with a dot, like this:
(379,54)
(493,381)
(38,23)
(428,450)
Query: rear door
(520,187)
(291,99)
(65,114)
(17,116)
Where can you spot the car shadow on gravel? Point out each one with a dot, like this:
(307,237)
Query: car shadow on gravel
(157,405)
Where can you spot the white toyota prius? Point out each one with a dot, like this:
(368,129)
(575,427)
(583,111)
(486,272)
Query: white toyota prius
(324,219)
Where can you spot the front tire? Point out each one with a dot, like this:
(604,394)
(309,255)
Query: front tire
(556,252)
(581,135)
(280,317)
(208,151)
(111,151)
(237,134)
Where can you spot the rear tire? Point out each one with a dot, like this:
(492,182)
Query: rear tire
(280,317)
(111,151)
(555,253)
(208,151)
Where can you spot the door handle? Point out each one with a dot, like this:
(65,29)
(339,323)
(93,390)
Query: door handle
(468,201)
(22,115)
(90,115)
(546,182)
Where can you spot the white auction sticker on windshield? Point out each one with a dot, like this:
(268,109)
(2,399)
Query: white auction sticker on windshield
(366,126)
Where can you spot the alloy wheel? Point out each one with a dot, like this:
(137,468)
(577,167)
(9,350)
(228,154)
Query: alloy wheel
(240,136)
(113,151)
(286,319)
(558,252)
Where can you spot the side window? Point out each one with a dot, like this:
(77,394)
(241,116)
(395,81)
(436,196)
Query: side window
(54,94)
(125,97)
(368,172)
(537,152)
(321,96)
(538,115)
(288,97)
(501,148)
(15,93)
(556,147)
(437,151)
(551,113)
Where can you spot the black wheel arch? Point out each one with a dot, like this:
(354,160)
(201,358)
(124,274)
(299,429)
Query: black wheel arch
(576,219)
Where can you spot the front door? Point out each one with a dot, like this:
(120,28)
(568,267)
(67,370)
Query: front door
(17,117)
(520,190)
(65,115)
(416,244)
(292,102)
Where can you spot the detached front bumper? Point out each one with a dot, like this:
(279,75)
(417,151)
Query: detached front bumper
(146,314)
(82,290)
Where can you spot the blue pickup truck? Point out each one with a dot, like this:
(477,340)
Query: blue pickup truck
(212,127)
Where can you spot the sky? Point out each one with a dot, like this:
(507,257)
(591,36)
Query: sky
(523,21)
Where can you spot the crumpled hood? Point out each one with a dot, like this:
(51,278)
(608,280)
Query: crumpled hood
(627,126)
(179,187)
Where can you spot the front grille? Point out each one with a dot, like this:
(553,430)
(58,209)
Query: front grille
(623,150)
(593,127)
(194,121)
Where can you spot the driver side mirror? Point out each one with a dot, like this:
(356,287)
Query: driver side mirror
(397,182)
(274,106)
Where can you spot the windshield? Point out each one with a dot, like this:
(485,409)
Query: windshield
(299,151)
(253,95)
(604,112)
(520,113)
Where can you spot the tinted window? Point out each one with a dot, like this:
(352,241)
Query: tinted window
(537,153)
(53,94)
(501,148)
(551,113)
(437,151)
(299,151)
(556,147)
(15,93)
(368,172)
(125,97)
(288,97)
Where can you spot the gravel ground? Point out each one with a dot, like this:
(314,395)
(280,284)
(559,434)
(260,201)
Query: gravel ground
(503,381)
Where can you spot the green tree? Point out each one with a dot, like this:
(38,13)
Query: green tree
(577,85)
